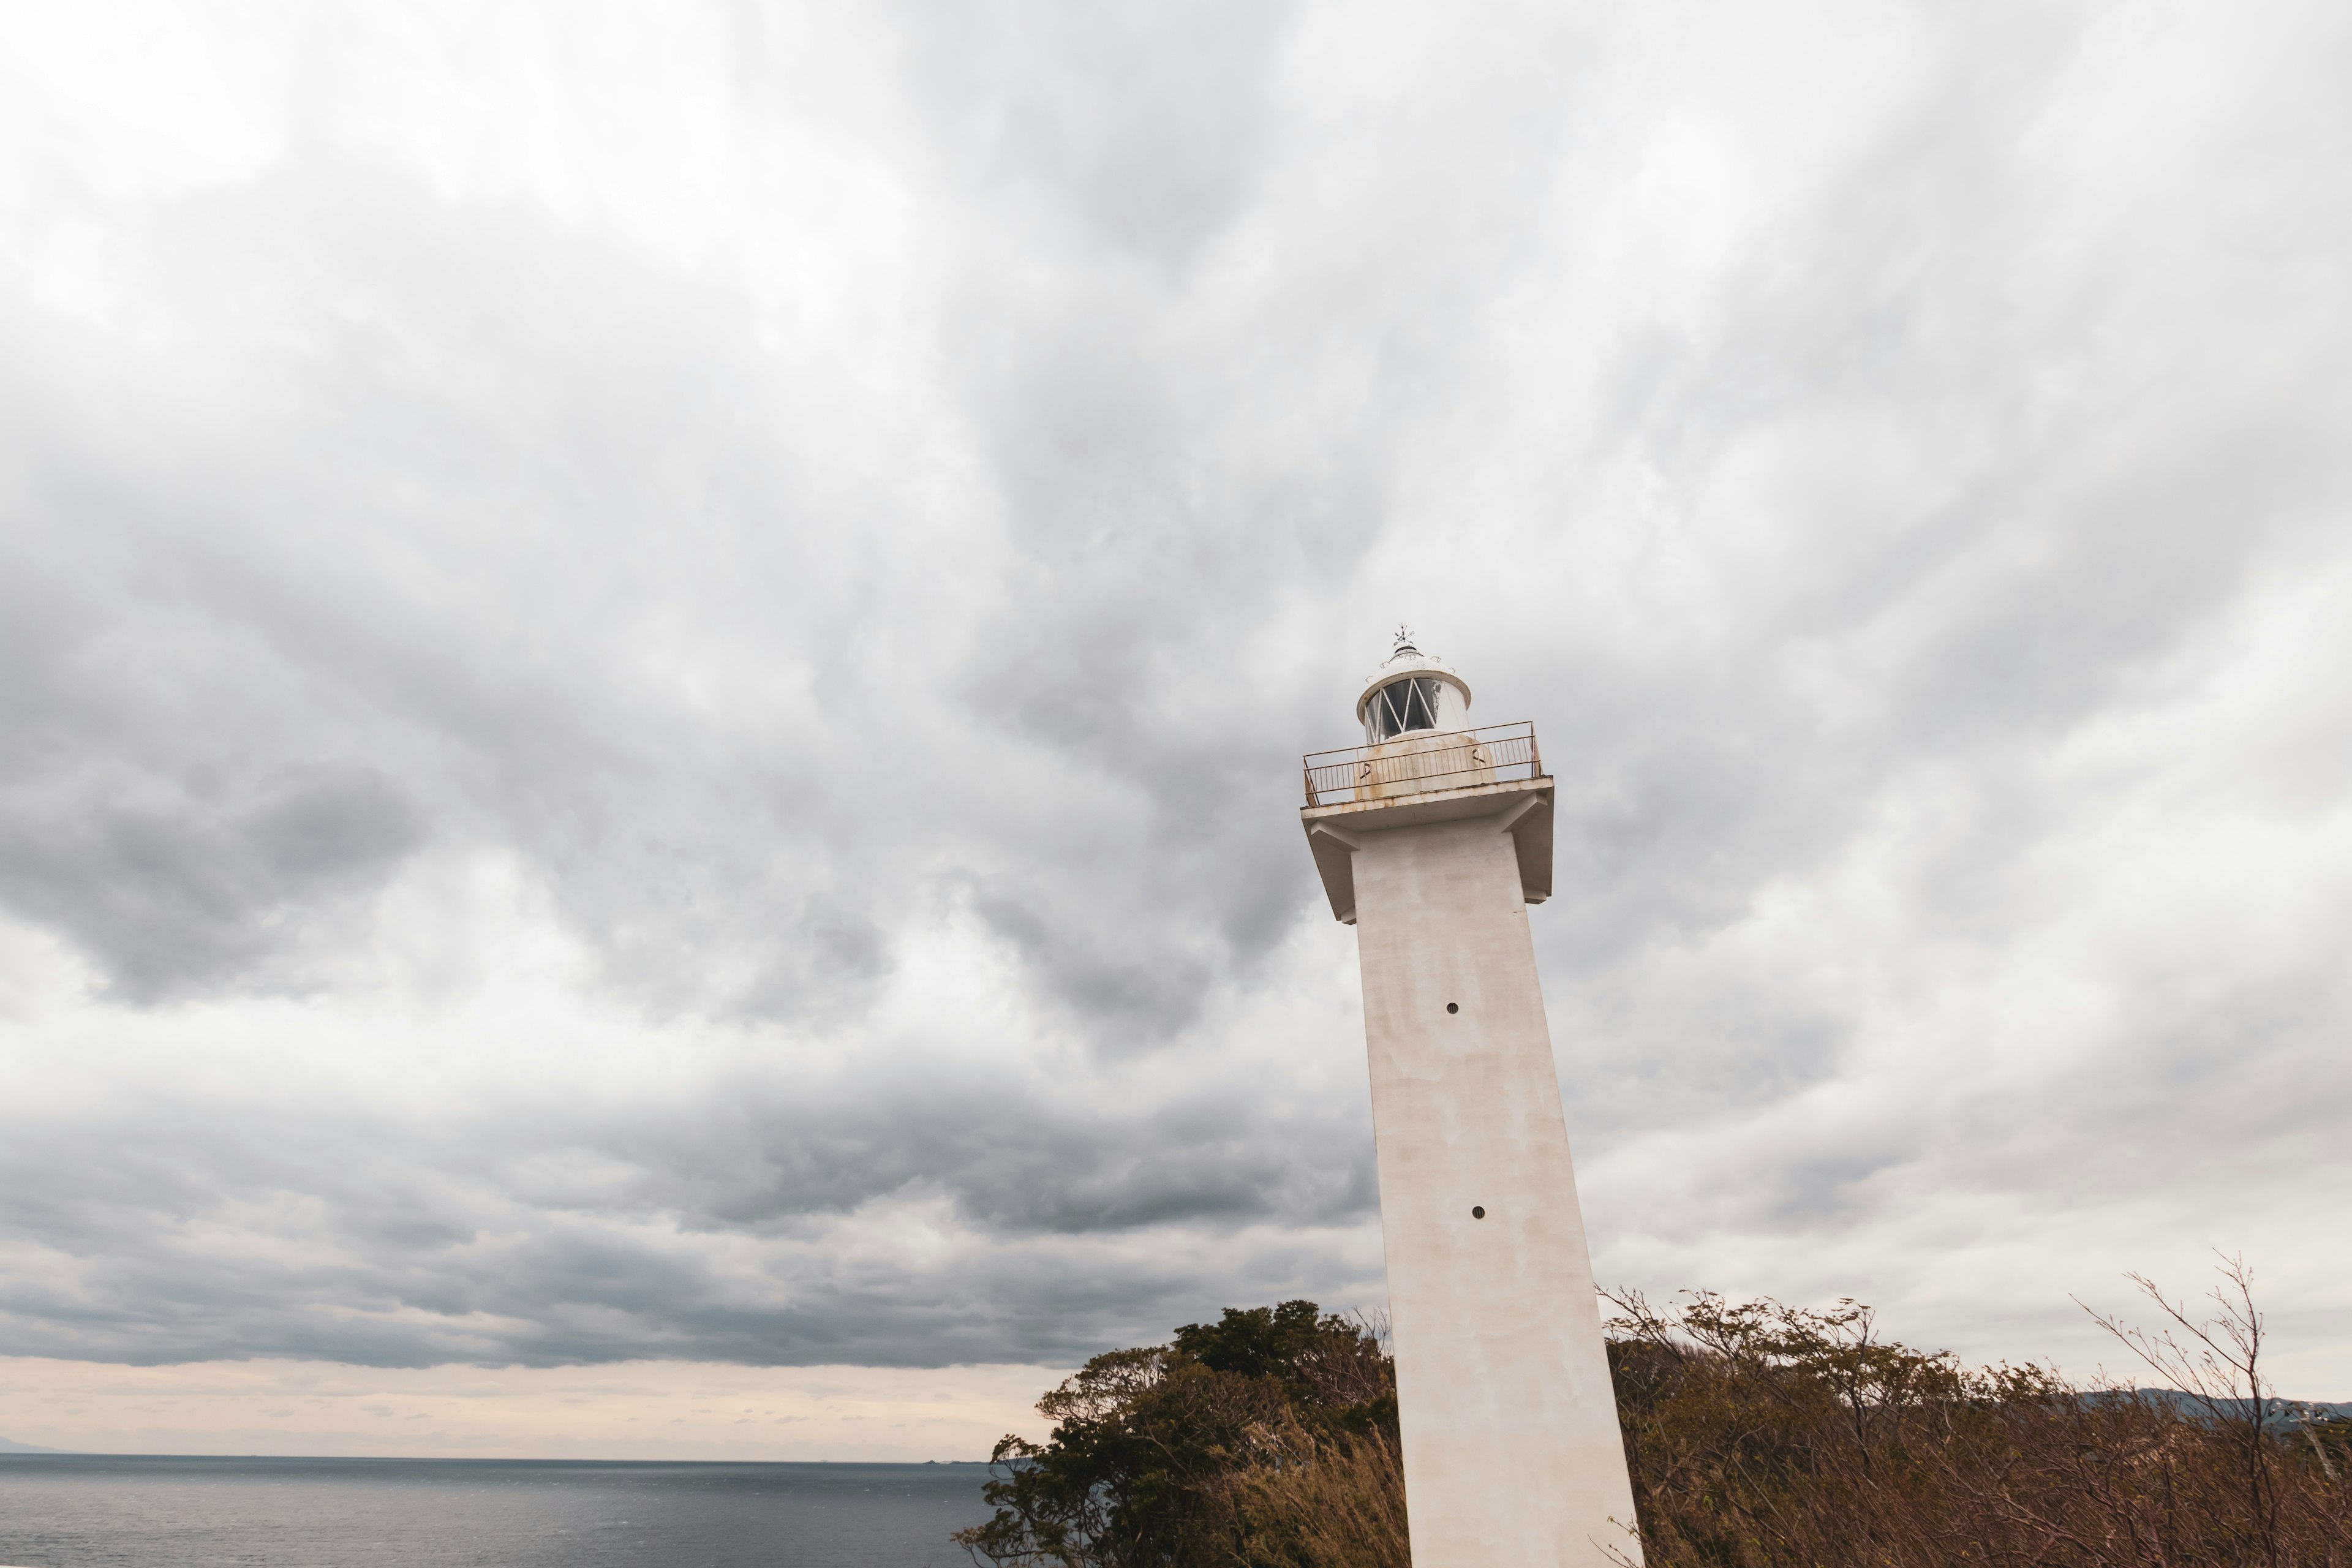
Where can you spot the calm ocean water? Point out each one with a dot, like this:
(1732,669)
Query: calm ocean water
(75,1510)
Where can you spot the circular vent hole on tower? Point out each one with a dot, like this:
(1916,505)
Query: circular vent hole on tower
(1453,1006)
(1477,1211)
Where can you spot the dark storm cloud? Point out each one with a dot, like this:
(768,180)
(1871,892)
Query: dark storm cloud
(174,894)
(838,566)
(546,1244)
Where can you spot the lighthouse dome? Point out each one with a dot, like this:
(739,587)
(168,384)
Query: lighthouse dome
(1411,691)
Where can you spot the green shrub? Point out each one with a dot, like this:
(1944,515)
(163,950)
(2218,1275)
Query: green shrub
(1208,1449)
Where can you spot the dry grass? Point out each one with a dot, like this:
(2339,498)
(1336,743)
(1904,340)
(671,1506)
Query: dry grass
(1763,1434)
(1344,1508)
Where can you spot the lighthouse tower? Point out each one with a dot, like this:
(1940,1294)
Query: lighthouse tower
(1433,838)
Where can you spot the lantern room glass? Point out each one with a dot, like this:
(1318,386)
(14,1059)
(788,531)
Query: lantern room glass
(1404,705)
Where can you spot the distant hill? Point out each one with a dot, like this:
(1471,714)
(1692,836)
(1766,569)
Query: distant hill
(2289,1413)
(8,1447)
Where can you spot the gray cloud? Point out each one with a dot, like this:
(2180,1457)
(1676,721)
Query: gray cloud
(507,1239)
(173,893)
(670,729)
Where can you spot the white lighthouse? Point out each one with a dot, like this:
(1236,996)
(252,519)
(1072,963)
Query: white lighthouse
(1433,838)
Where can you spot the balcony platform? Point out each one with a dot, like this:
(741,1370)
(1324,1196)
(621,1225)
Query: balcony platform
(1522,807)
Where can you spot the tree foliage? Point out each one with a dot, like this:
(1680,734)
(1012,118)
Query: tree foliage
(1188,1453)
(1761,1434)
(1758,1435)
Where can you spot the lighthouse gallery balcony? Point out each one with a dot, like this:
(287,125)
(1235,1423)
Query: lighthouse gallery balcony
(1428,775)
(1418,762)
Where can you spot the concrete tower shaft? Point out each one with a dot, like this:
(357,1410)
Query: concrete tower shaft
(1433,843)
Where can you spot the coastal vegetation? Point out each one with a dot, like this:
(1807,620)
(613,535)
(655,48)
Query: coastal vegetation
(1758,1435)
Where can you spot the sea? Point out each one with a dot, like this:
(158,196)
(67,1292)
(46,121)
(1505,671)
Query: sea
(89,1510)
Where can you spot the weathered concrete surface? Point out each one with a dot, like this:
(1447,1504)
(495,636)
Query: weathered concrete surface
(1512,1455)
(1525,805)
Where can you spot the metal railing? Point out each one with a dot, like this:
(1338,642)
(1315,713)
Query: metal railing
(1420,761)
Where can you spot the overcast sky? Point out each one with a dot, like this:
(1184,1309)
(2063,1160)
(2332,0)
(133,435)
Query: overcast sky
(653,661)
